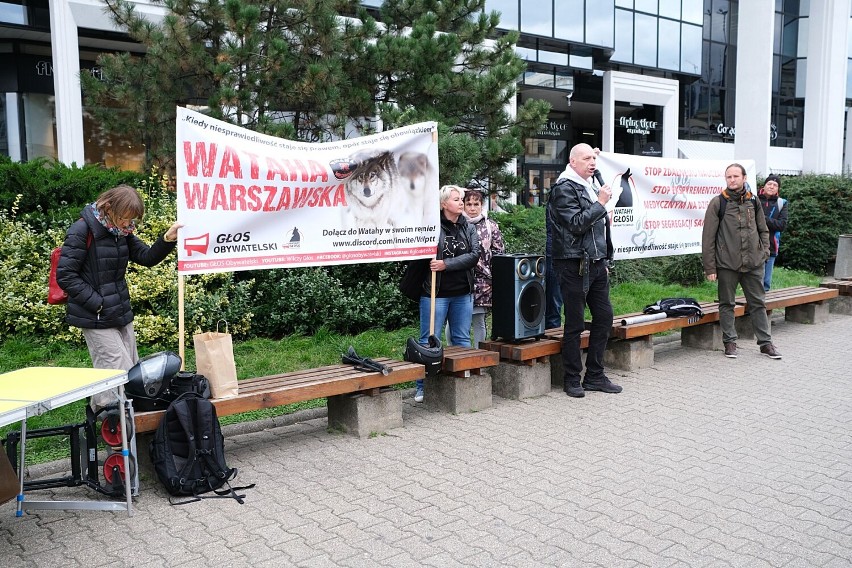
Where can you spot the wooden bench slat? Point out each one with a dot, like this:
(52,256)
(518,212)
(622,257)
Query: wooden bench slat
(557,334)
(635,330)
(299,386)
(458,359)
(794,296)
(526,351)
(843,287)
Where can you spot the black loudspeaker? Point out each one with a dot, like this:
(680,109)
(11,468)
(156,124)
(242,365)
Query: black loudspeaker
(518,296)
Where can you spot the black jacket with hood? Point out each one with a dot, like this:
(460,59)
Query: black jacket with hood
(93,273)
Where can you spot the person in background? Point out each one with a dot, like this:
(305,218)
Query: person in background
(490,243)
(733,251)
(458,253)
(775,211)
(92,268)
(582,252)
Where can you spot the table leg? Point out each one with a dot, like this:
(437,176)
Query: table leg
(19,512)
(125,449)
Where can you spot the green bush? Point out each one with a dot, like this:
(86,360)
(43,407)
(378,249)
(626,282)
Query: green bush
(345,299)
(523,228)
(42,186)
(820,210)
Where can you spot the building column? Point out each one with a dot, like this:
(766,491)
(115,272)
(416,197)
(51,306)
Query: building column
(825,87)
(754,82)
(66,83)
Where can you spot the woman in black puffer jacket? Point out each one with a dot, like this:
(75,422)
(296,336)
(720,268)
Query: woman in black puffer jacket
(92,270)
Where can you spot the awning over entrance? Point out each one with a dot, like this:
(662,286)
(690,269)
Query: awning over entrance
(782,161)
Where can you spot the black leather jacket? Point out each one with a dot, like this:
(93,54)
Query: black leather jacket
(579,225)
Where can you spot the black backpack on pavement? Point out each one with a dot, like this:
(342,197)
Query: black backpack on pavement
(188,451)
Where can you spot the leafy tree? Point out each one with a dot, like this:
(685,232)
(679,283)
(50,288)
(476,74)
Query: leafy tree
(323,69)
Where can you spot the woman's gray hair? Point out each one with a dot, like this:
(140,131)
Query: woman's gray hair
(447,190)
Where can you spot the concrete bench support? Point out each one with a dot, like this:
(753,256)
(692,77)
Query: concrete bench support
(807,313)
(630,354)
(745,328)
(841,305)
(707,336)
(458,395)
(362,414)
(518,381)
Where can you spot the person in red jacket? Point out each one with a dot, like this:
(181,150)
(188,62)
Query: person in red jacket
(92,271)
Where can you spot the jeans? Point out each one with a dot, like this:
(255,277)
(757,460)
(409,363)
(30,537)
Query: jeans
(767,272)
(553,296)
(457,311)
(571,284)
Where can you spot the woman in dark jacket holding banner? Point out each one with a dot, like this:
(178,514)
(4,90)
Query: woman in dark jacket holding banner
(458,253)
(92,270)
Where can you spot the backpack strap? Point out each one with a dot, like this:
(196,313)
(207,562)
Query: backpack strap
(723,203)
(184,418)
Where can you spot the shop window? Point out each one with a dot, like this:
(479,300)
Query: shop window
(39,125)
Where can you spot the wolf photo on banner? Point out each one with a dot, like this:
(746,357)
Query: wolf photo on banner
(251,201)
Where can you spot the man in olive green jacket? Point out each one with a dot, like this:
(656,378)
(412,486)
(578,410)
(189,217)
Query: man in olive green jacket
(735,245)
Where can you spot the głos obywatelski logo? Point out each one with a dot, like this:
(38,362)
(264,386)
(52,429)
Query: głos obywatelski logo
(229,243)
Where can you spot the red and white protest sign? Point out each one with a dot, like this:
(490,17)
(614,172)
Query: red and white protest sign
(250,201)
(658,204)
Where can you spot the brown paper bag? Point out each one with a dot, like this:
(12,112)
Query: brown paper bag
(214,358)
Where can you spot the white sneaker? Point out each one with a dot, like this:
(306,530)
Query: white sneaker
(418,395)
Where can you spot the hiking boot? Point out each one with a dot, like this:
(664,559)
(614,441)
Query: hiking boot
(418,395)
(770,351)
(575,392)
(731,350)
(601,384)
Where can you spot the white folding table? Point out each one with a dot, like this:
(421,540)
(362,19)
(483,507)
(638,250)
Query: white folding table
(35,390)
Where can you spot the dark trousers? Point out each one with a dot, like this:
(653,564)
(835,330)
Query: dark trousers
(574,303)
(553,296)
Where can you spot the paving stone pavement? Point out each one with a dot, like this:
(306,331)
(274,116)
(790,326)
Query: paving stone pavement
(701,461)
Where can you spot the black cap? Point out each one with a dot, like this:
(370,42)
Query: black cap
(773,177)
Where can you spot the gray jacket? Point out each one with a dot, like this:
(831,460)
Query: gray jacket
(578,224)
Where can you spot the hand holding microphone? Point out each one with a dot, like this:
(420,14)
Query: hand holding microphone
(605,192)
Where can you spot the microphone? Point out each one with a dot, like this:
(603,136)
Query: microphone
(599,178)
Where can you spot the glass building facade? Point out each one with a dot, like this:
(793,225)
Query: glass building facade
(567,44)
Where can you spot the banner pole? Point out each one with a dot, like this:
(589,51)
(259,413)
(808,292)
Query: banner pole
(181,334)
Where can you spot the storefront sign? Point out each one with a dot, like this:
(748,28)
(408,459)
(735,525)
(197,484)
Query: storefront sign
(554,129)
(641,126)
(730,131)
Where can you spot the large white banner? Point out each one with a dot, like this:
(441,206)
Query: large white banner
(251,201)
(658,204)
